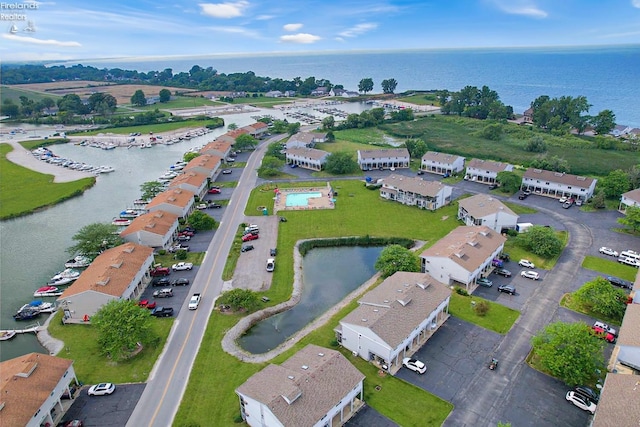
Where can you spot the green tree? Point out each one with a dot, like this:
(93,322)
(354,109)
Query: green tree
(245,142)
(138,98)
(536,145)
(151,189)
(634,176)
(614,184)
(92,239)
(569,351)
(165,95)
(270,167)
(328,123)
(293,128)
(404,115)
(341,163)
(102,103)
(416,147)
(600,297)
(232,126)
(121,325)
(188,156)
(48,103)
(389,85)
(631,218)
(9,108)
(396,258)
(240,299)
(604,122)
(365,85)
(598,201)
(541,241)
(509,182)
(201,221)
(71,103)
(276,150)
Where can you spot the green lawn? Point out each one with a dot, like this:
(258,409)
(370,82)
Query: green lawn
(262,101)
(499,318)
(571,303)
(421,99)
(517,253)
(519,209)
(180,102)
(610,268)
(14,94)
(36,190)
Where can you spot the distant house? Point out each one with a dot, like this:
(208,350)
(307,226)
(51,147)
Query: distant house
(176,201)
(350,94)
(218,147)
(256,130)
(414,191)
(307,158)
(397,158)
(320,91)
(634,133)
(207,164)
(558,184)
(155,229)
(463,255)
(237,132)
(483,209)
(306,139)
(630,198)
(336,92)
(527,116)
(32,387)
(441,163)
(289,93)
(316,387)
(117,273)
(485,171)
(620,130)
(273,94)
(618,404)
(241,94)
(395,319)
(192,181)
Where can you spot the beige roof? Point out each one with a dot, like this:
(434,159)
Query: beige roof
(558,177)
(158,222)
(258,126)
(175,196)
(447,159)
(619,403)
(636,284)
(226,138)
(309,153)
(467,246)
(307,137)
(398,305)
(386,153)
(217,144)
(414,185)
(189,177)
(313,380)
(488,165)
(629,334)
(482,205)
(633,195)
(25,384)
(206,161)
(112,271)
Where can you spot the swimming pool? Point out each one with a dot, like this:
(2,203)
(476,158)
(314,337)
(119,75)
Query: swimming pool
(301,199)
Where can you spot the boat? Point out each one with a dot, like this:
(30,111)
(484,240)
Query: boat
(43,307)
(27,313)
(68,273)
(78,262)
(47,291)
(130,213)
(7,335)
(105,169)
(60,281)
(121,221)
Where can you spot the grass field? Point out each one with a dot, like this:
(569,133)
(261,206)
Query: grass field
(14,94)
(499,318)
(517,253)
(456,135)
(179,102)
(36,190)
(610,267)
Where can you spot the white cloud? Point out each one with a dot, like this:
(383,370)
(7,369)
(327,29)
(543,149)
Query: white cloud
(359,29)
(339,39)
(302,38)
(292,27)
(264,17)
(224,10)
(635,3)
(33,40)
(235,30)
(521,7)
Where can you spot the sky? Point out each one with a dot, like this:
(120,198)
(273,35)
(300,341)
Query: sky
(81,29)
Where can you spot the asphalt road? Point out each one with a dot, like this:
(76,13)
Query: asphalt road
(167,382)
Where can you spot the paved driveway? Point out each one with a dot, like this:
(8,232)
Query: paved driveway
(251,270)
(105,411)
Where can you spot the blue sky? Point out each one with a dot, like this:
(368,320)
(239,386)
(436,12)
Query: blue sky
(74,29)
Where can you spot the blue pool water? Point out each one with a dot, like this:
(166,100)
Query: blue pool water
(301,199)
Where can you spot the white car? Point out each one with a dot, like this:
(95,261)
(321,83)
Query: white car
(530,274)
(563,199)
(607,251)
(271,264)
(182,266)
(101,389)
(526,263)
(629,261)
(415,365)
(581,402)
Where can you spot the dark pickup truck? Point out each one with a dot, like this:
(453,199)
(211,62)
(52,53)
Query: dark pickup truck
(524,194)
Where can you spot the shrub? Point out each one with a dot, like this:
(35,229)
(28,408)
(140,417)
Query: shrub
(481,308)
(181,254)
(462,291)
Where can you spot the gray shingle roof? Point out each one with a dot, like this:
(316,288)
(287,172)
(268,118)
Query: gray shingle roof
(444,158)
(558,177)
(619,402)
(309,153)
(488,165)
(414,185)
(384,154)
(482,205)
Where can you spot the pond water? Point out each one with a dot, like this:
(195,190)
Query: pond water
(329,274)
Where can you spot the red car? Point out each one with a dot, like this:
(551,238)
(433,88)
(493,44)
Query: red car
(186,233)
(160,271)
(214,191)
(249,237)
(145,303)
(601,333)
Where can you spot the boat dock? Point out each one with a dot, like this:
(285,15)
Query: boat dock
(29,329)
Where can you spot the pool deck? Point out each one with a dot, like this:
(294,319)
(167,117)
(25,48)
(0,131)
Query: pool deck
(325,201)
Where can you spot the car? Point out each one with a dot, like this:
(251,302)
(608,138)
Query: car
(229,160)
(146,304)
(533,275)
(414,365)
(493,186)
(629,261)
(162,312)
(507,289)
(215,205)
(619,282)
(502,272)
(246,248)
(184,238)
(524,194)
(163,293)
(273,251)
(563,199)
(101,389)
(186,233)
(293,166)
(188,229)
(505,257)
(587,392)
(608,251)
(249,237)
(214,190)
(163,281)
(200,206)
(227,171)
(483,281)
(159,271)
(598,324)
(602,333)
(581,402)
(526,263)
(180,282)
(182,266)
(567,204)
(178,247)
(271,264)
(74,423)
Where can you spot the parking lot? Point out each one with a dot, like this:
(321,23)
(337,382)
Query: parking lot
(105,411)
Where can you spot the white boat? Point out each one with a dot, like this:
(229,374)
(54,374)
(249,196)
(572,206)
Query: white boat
(130,213)
(47,291)
(78,262)
(7,335)
(105,169)
(61,281)
(121,221)
(64,277)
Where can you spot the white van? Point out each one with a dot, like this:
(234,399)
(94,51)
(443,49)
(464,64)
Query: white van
(630,254)
(252,228)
